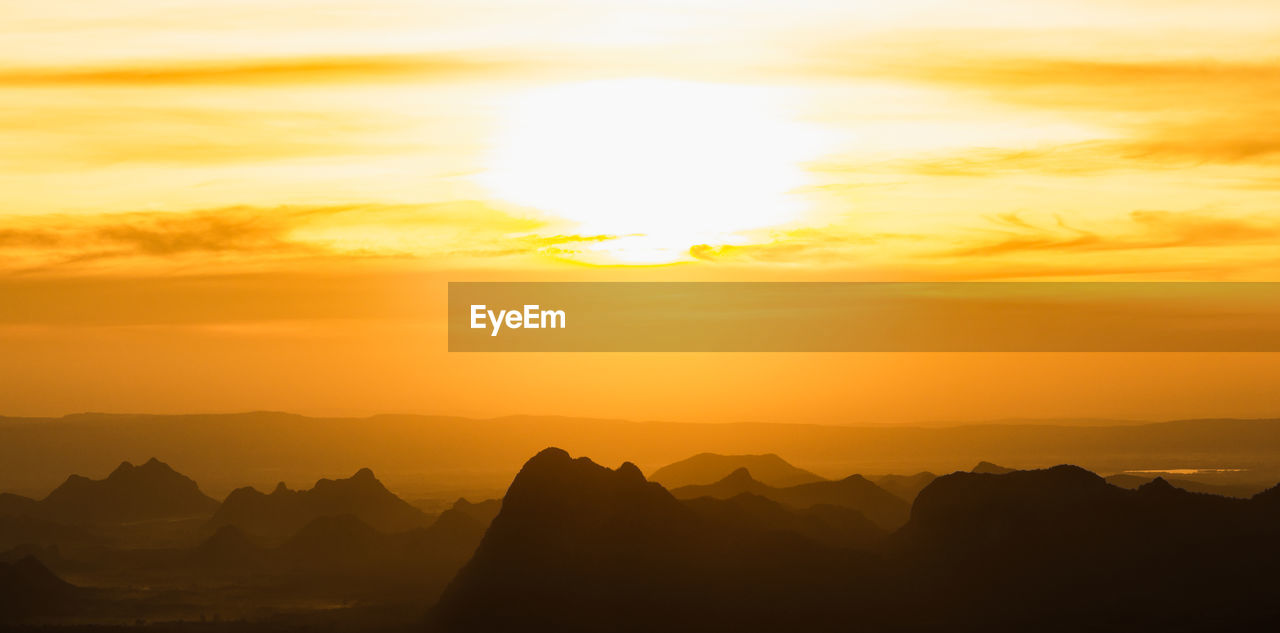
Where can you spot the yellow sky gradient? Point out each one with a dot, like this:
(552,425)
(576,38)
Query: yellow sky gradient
(234,205)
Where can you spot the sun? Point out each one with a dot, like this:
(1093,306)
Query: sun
(661,164)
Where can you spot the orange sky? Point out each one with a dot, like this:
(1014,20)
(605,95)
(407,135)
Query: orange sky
(223,206)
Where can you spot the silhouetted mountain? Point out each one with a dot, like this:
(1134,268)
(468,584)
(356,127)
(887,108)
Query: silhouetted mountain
(334,543)
(48,555)
(706,468)
(228,548)
(482,512)
(28,588)
(278,515)
(17,505)
(987,468)
(221,450)
(877,504)
(580,547)
(830,525)
(905,487)
(1133,482)
(20,530)
(458,529)
(1029,540)
(130,493)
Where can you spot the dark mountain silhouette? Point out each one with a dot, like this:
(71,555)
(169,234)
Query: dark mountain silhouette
(22,530)
(342,556)
(706,468)
(129,494)
(17,505)
(334,543)
(579,547)
(228,548)
(830,525)
(474,454)
(905,487)
(482,512)
(877,504)
(278,515)
(987,468)
(28,588)
(1133,482)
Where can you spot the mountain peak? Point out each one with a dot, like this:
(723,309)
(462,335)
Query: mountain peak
(739,475)
(130,493)
(706,468)
(275,516)
(1157,486)
(985,467)
(630,470)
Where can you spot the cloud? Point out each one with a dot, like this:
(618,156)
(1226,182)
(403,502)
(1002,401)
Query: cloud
(1163,113)
(1145,230)
(270,72)
(804,245)
(247,235)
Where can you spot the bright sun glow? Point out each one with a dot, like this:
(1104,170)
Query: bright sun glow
(662,164)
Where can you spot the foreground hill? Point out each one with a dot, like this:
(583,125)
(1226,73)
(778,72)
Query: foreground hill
(580,547)
(129,494)
(282,513)
(28,588)
(705,468)
(855,492)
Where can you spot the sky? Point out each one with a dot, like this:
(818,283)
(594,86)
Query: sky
(222,206)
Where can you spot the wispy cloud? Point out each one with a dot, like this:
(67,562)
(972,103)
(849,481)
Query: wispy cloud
(1011,234)
(263,71)
(256,235)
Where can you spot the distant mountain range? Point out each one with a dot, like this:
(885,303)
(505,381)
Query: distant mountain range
(905,487)
(580,547)
(130,493)
(855,492)
(283,512)
(705,468)
(414,453)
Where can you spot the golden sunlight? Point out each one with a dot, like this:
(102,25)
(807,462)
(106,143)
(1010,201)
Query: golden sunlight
(660,164)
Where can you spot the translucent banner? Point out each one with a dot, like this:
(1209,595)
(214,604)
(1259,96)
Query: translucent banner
(863,317)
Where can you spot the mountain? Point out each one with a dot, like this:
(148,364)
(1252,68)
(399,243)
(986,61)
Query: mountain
(129,494)
(436,452)
(988,468)
(580,547)
(334,543)
(29,530)
(1028,540)
(705,468)
(856,492)
(279,515)
(905,487)
(17,505)
(228,548)
(1133,482)
(833,526)
(28,588)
